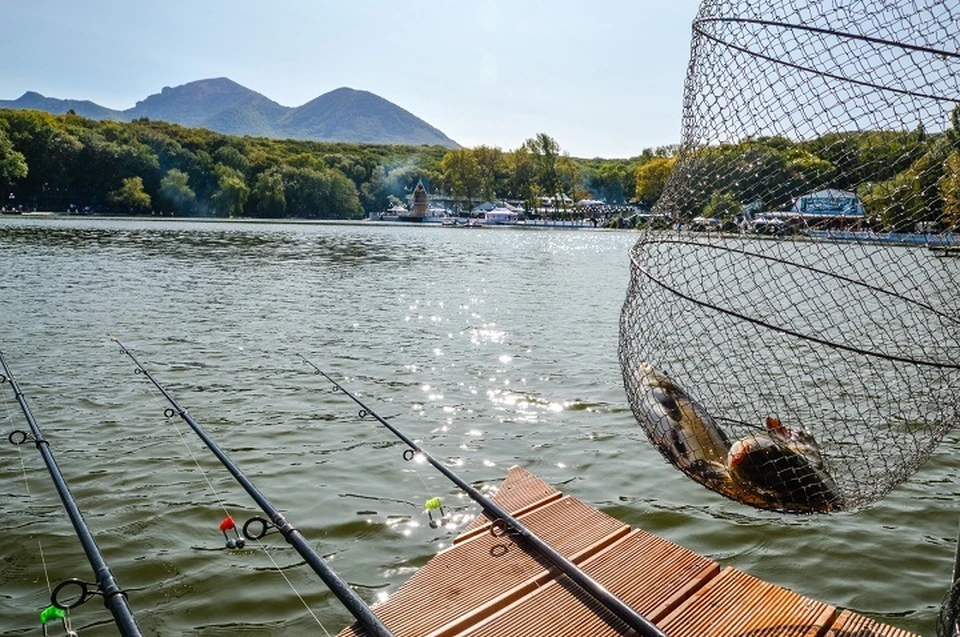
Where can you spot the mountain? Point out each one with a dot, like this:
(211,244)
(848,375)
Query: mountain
(85,108)
(221,101)
(222,105)
(361,118)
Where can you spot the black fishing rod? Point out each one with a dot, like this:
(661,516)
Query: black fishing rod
(357,607)
(77,590)
(506,523)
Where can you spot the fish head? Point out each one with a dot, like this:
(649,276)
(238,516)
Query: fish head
(649,376)
(776,475)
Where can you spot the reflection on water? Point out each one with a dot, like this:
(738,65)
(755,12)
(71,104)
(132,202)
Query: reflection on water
(492,348)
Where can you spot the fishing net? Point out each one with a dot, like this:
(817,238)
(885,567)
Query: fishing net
(948,620)
(790,333)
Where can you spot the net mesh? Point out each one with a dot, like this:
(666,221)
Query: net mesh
(790,333)
(948,620)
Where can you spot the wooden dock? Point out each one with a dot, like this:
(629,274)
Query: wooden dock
(490,586)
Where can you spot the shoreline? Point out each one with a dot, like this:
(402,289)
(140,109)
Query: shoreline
(911,240)
(321,222)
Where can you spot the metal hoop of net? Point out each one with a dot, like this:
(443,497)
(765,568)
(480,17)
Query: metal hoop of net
(790,333)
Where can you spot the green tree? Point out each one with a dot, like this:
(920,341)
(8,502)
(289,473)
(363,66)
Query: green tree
(723,206)
(568,175)
(490,171)
(229,156)
(269,194)
(611,181)
(809,172)
(50,152)
(395,179)
(176,192)
(130,196)
(521,177)
(912,196)
(886,203)
(545,152)
(949,185)
(232,192)
(341,198)
(13,165)
(320,194)
(461,175)
(954,133)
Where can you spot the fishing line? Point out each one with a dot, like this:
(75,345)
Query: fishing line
(503,523)
(433,502)
(67,620)
(276,522)
(106,586)
(239,543)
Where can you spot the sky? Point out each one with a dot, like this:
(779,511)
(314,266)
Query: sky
(604,78)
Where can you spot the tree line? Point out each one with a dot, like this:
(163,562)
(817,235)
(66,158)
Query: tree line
(65,162)
(905,179)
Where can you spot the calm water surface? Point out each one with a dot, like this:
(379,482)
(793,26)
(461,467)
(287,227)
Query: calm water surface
(493,348)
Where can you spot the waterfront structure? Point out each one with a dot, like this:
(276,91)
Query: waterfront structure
(418,211)
(488,583)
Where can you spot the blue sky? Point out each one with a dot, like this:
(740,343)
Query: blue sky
(604,78)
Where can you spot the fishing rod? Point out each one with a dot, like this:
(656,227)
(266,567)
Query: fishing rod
(357,607)
(77,590)
(506,523)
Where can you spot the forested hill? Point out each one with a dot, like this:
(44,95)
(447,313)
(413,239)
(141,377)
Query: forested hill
(220,104)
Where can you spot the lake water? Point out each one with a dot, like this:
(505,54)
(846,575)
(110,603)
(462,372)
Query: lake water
(493,348)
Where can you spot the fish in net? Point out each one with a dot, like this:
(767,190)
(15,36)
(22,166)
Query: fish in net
(790,333)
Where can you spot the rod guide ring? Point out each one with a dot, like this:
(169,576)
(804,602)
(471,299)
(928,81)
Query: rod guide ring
(19,437)
(85,592)
(265,526)
(500,527)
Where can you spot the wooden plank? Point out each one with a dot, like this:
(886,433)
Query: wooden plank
(737,604)
(520,492)
(850,624)
(488,586)
(475,578)
(648,573)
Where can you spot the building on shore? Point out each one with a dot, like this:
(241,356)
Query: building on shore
(829,209)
